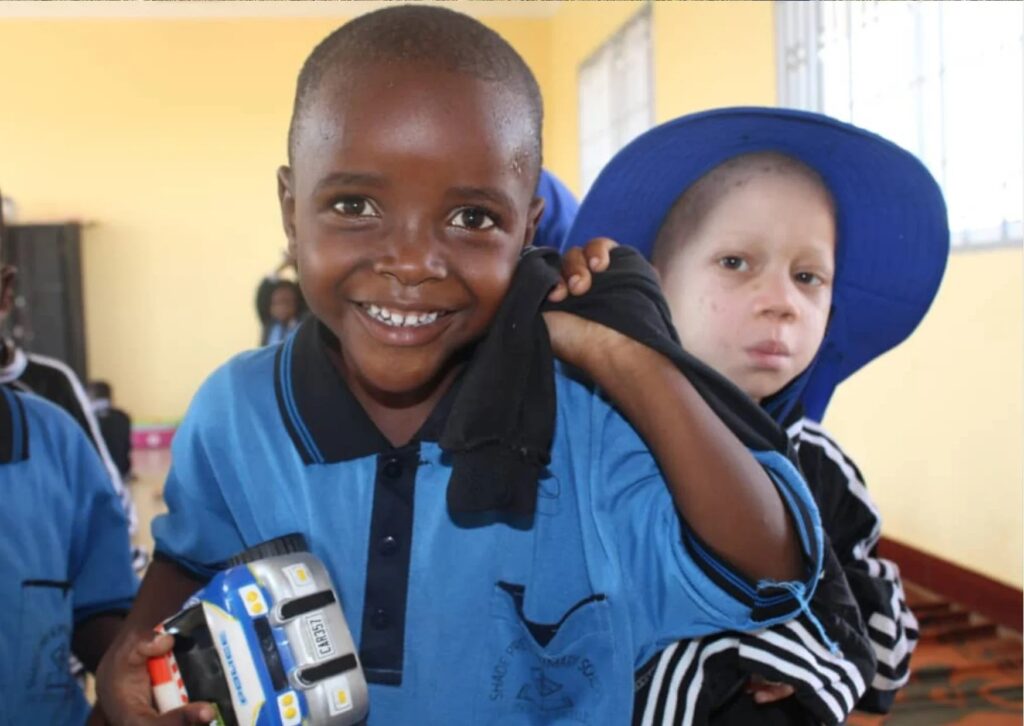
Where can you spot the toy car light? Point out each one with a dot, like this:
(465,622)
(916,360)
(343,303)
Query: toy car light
(300,579)
(288,707)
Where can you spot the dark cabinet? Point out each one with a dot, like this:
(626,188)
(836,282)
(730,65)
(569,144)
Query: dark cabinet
(48,316)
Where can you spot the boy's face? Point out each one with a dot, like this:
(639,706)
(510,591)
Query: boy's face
(409,202)
(283,305)
(750,289)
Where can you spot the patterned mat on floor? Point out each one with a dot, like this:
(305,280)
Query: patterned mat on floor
(965,671)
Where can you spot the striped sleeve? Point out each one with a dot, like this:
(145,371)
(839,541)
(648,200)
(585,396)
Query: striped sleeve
(692,679)
(853,522)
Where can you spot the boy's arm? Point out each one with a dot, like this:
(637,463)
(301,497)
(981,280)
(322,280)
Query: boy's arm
(197,529)
(851,518)
(721,491)
(123,688)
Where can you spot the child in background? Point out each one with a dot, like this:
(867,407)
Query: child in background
(53,380)
(410,196)
(115,425)
(279,304)
(793,249)
(64,554)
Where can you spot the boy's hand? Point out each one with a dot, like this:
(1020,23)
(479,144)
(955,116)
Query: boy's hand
(768,691)
(124,690)
(577,266)
(575,340)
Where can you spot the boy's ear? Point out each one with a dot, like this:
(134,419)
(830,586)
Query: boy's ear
(533,218)
(286,198)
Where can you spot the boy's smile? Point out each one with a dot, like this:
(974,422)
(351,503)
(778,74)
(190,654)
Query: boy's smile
(410,199)
(751,288)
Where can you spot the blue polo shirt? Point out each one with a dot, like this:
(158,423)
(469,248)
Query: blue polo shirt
(64,554)
(468,619)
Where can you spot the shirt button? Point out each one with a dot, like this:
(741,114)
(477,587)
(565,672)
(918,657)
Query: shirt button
(393,468)
(380,619)
(388,545)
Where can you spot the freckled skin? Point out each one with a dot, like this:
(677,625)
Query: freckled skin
(757,269)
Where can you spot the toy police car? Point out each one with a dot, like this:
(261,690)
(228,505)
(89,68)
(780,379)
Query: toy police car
(266,643)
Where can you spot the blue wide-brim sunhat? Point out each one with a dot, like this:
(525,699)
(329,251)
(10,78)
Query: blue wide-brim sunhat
(892,233)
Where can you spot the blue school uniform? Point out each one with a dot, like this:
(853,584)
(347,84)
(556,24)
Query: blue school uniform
(64,554)
(461,618)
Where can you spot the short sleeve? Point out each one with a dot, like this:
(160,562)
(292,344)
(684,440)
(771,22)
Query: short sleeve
(690,591)
(198,532)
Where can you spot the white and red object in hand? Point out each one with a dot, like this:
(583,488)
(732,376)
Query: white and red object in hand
(168,688)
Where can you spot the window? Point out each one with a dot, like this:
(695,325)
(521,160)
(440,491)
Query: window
(943,80)
(615,95)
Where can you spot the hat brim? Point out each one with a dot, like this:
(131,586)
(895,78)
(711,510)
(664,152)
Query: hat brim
(891,225)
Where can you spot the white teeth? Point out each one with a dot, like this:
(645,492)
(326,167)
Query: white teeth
(397,320)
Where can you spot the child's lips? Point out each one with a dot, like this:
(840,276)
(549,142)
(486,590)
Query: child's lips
(769,353)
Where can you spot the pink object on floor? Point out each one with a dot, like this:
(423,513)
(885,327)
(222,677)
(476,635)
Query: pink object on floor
(152,437)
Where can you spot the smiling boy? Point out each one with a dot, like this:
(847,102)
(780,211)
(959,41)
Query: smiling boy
(410,196)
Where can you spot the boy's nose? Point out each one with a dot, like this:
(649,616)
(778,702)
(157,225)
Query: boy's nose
(776,296)
(412,257)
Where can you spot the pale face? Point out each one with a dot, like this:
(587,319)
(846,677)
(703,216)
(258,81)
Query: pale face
(751,288)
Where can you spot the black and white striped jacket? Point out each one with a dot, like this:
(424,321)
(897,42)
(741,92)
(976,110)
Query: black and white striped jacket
(703,680)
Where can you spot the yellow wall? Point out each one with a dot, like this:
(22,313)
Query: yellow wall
(705,55)
(166,134)
(936,425)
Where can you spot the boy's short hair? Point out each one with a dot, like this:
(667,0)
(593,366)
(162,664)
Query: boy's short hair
(697,201)
(98,389)
(293,287)
(431,36)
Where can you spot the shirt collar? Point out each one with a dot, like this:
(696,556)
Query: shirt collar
(13,428)
(325,421)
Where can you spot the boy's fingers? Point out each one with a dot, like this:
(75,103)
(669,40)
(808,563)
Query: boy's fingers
(200,712)
(575,271)
(153,647)
(598,253)
(768,692)
(559,293)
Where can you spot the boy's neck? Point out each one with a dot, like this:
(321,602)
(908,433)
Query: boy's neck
(399,417)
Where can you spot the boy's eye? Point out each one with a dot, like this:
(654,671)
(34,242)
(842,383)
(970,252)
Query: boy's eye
(809,278)
(473,218)
(732,262)
(355,207)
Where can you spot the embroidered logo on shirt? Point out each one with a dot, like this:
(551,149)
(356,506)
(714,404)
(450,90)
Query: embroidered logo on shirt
(525,681)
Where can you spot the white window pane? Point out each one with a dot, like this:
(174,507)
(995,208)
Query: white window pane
(614,95)
(943,80)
